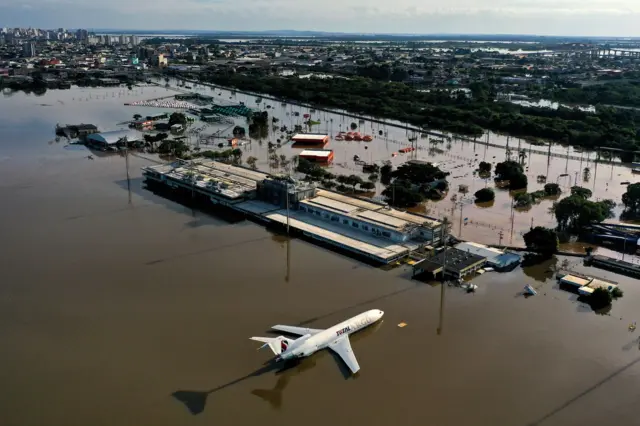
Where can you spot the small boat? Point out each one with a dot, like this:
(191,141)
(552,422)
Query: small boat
(339,138)
(529,290)
(357,137)
(367,138)
(348,137)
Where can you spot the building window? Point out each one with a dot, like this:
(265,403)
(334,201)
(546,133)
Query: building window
(335,219)
(326,215)
(365,227)
(386,234)
(345,221)
(354,224)
(318,213)
(303,208)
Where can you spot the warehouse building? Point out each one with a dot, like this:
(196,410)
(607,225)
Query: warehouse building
(455,264)
(496,258)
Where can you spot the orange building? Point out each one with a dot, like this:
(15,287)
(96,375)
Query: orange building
(322,156)
(310,139)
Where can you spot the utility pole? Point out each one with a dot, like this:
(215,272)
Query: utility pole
(445,224)
(287,196)
(126,161)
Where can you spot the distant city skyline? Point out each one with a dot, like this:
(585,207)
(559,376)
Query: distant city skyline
(614,18)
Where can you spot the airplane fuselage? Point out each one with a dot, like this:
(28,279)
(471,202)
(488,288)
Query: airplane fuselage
(309,344)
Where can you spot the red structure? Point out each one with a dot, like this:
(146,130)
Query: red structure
(311,139)
(322,156)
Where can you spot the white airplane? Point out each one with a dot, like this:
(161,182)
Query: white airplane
(312,340)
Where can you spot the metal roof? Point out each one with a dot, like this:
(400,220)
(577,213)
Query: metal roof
(111,138)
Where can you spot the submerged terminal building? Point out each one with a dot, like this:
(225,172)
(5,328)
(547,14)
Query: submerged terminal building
(361,227)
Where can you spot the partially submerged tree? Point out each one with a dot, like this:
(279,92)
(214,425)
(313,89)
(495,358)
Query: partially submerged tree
(542,240)
(485,195)
(552,189)
(631,200)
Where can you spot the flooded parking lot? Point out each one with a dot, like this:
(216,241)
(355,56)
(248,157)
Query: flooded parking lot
(119,307)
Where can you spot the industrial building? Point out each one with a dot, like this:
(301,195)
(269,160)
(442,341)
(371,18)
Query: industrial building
(455,264)
(106,139)
(497,259)
(370,230)
(221,183)
(310,139)
(585,285)
(614,265)
(373,218)
(72,131)
(321,156)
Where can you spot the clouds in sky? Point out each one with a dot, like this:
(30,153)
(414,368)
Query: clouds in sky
(552,17)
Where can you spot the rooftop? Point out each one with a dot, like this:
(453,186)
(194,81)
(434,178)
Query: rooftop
(309,136)
(316,152)
(115,136)
(380,208)
(456,260)
(225,179)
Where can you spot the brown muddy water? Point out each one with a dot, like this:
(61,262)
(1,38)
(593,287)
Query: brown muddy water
(460,158)
(121,308)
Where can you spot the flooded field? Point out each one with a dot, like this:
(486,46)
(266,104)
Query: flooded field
(121,308)
(460,157)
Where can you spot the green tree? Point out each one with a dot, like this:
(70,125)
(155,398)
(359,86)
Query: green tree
(373,178)
(354,181)
(251,161)
(631,200)
(485,195)
(513,172)
(523,200)
(401,194)
(542,240)
(178,118)
(484,168)
(367,186)
(581,192)
(552,189)
(600,298)
(519,181)
(575,213)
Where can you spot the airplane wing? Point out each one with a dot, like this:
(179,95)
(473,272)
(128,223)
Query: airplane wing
(300,331)
(342,347)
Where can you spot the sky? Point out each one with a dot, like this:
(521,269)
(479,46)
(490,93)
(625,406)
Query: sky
(619,18)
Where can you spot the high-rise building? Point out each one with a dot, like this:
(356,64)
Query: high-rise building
(123,39)
(135,40)
(29,49)
(82,34)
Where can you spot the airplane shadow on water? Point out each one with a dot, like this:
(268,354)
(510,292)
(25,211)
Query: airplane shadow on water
(195,401)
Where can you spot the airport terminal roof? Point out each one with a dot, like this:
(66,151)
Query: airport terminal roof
(390,213)
(113,137)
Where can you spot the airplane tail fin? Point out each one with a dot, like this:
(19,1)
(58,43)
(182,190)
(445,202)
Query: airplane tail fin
(276,344)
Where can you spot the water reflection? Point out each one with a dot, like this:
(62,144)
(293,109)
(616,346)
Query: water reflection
(195,401)
(543,271)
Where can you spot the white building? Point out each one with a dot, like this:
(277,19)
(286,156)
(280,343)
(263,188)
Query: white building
(371,218)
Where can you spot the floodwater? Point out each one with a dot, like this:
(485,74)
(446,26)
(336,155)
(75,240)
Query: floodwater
(118,307)
(460,157)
